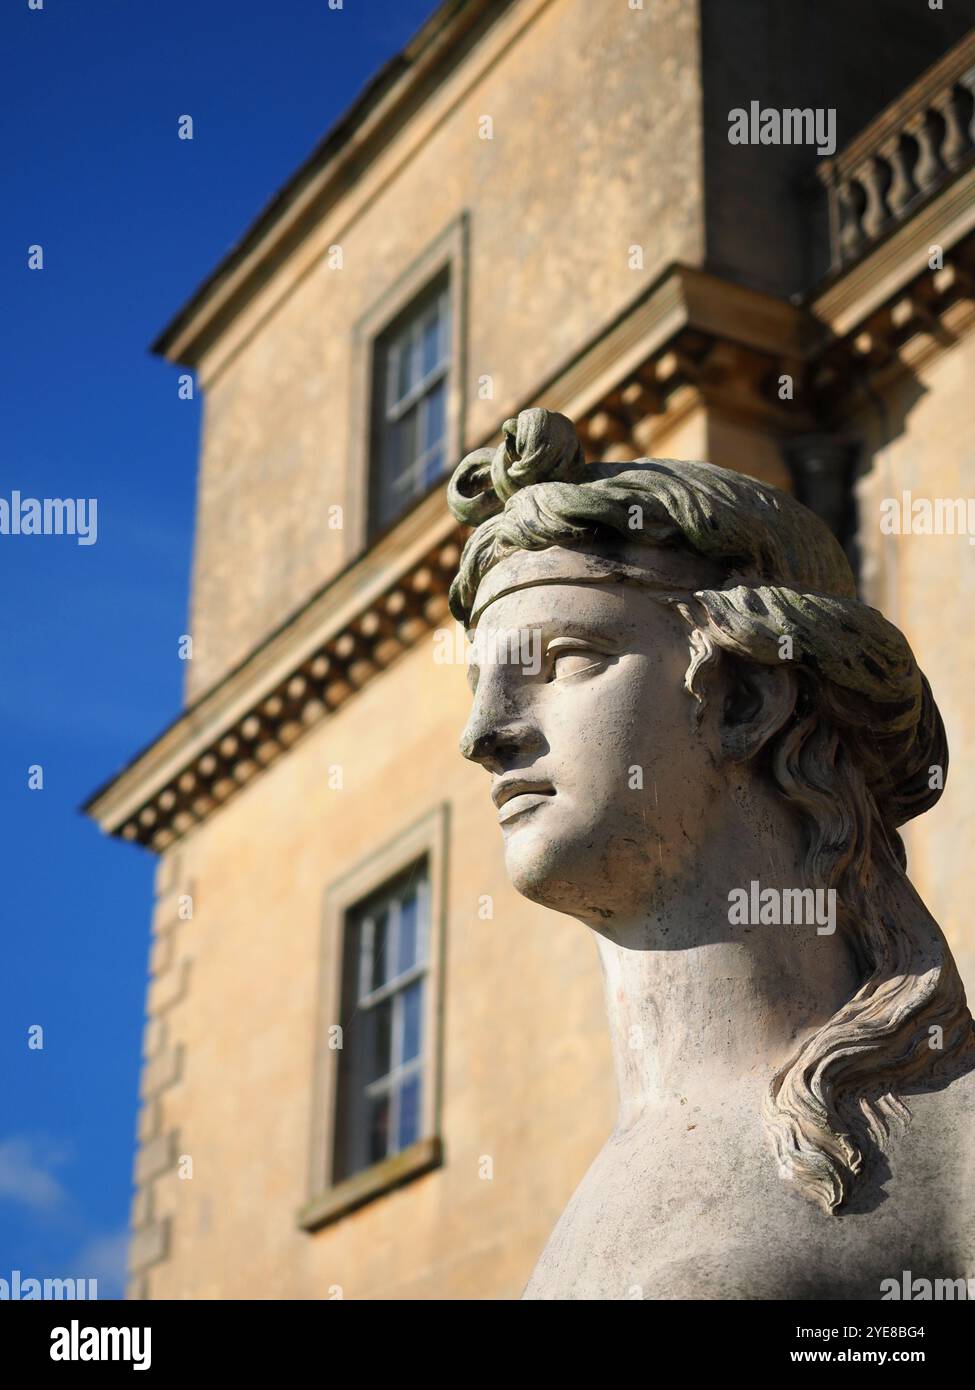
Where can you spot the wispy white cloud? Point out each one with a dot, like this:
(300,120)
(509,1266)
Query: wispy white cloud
(26,1176)
(29,1180)
(103,1258)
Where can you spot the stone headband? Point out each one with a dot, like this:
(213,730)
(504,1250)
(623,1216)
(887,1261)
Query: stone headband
(674,571)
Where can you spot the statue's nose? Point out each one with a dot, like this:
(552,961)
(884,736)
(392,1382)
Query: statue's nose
(497,744)
(479,746)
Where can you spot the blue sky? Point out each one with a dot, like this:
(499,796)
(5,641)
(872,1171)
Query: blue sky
(130,219)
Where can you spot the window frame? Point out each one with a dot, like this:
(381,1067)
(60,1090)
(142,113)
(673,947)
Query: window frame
(388,411)
(445,258)
(352,1092)
(329,1198)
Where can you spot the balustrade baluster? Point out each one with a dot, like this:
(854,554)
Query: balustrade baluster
(906,155)
(851,232)
(872,177)
(902,187)
(928,166)
(955,145)
(967,83)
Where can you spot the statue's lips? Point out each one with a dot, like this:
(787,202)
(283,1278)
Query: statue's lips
(515,796)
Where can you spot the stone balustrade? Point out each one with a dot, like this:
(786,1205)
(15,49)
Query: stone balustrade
(913,149)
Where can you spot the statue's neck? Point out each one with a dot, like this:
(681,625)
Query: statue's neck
(698,1006)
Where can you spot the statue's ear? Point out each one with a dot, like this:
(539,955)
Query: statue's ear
(758,700)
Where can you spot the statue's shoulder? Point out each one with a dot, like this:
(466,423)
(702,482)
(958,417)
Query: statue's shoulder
(964,1088)
(943,1116)
(955,1087)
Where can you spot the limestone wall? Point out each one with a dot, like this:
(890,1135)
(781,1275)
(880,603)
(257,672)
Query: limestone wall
(596,148)
(920,437)
(527,1073)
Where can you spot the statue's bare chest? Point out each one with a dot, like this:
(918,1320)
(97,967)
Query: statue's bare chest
(693,1207)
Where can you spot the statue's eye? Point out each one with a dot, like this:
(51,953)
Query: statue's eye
(565,660)
(571,663)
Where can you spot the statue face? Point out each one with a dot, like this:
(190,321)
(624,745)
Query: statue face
(604,785)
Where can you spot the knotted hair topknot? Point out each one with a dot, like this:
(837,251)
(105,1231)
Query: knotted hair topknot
(537,447)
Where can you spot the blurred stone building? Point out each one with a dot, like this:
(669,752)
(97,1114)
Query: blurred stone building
(536,203)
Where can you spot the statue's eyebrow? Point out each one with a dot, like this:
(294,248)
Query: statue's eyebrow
(580,637)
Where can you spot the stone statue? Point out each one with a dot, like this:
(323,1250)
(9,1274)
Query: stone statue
(707,765)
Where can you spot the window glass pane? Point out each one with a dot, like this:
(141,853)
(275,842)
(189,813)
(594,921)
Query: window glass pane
(404,454)
(409,426)
(407,931)
(380,950)
(431,342)
(376,1024)
(390,375)
(404,376)
(444,327)
(435,411)
(433,467)
(386,936)
(412,1021)
(409,1113)
(360,943)
(378,1129)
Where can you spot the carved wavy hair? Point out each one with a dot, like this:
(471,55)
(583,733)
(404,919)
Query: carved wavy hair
(855,759)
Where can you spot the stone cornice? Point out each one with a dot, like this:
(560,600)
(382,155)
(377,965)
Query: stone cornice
(683,305)
(350,631)
(922,312)
(691,339)
(397,592)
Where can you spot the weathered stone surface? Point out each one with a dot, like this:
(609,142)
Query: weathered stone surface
(150,1116)
(161,953)
(167,873)
(258,556)
(245,1102)
(527,1077)
(147,1247)
(155,1157)
(167,990)
(929,583)
(154,1036)
(163,1070)
(701,745)
(141,1211)
(171,907)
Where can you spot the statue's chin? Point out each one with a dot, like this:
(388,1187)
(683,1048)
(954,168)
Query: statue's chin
(576,874)
(548,874)
(532,871)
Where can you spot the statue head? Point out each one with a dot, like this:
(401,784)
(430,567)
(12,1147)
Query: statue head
(658,643)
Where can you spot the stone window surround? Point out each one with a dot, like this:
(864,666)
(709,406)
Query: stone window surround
(326,1202)
(448,252)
